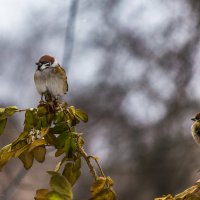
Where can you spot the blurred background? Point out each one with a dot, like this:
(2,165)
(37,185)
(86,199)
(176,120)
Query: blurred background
(133,66)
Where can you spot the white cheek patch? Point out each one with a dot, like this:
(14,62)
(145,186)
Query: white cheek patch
(44,67)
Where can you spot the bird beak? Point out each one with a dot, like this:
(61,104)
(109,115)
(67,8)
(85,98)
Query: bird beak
(193,119)
(37,63)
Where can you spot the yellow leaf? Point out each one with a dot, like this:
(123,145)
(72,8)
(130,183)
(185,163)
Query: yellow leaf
(37,143)
(22,149)
(39,153)
(2,110)
(109,181)
(98,186)
(106,194)
(72,110)
(44,131)
(59,152)
(50,138)
(58,166)
(81,115)
(5,155)
(41,194)
(168,197)
(27,159)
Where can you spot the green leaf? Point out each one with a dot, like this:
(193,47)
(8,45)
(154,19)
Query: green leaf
(41,111)
(50,138)
(11,110)
(2,125)
(59,128)
(59,184)
(44,122)
(73,144)
(30,119)
(59,117)
(67,146)
(60,142)
(77,164)
(41,194)
(22,136)
(7,112)
(55,196)
(50,118)
(71,173)
(81,115)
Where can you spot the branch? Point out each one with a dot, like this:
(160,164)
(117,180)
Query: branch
(86,157)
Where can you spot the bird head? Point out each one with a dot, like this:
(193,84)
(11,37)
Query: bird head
(46,61)
(196,118)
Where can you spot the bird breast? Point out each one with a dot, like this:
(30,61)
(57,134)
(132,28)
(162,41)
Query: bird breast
(40,81)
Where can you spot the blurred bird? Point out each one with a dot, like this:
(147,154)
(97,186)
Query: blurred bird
(196,128)
(50,78)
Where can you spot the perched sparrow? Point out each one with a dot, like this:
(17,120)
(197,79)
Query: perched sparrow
(196,128)
(50,78)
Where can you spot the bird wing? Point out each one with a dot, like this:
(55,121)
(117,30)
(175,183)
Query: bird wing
(56,81)
(62,74)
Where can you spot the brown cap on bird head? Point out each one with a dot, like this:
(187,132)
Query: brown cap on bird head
(197,117)
(46,59)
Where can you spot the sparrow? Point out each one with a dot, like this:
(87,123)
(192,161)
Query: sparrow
(196,128)
(50,78)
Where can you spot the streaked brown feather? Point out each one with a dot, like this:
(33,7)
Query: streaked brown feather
(59,71)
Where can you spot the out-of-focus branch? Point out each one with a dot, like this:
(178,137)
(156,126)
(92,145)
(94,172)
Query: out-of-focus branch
(86,157)
(69,37)
(7,193)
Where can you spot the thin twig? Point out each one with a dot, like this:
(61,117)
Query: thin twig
(22,110)
(87,158)
(100,169)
